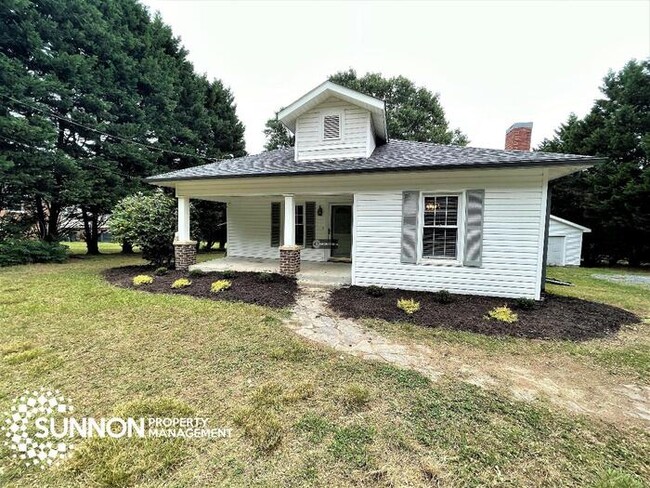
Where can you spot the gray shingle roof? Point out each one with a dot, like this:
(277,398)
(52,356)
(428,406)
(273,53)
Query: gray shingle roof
(394,156)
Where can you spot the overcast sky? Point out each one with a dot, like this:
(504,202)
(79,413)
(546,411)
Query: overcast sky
(493,63)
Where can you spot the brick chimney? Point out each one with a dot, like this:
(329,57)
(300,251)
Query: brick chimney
(518,136)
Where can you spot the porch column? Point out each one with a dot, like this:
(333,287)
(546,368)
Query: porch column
(289,252)
(184,247)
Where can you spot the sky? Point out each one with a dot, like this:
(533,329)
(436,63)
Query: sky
(493,63)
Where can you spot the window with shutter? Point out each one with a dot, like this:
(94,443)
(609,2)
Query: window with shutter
(331,127)
(440,227)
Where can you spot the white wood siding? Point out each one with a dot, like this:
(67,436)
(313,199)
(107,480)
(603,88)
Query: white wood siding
(573,241)
(353,143)
(513,223)
(249,226)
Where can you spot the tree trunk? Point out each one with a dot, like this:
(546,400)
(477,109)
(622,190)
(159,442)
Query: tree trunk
(127,247)
(90,231)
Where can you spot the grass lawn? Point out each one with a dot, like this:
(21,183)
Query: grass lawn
(301,415)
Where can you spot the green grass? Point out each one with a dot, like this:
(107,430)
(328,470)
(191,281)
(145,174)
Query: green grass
(301,415)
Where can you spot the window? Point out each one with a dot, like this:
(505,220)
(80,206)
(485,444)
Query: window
(440,227)
(299,223)
(331,127)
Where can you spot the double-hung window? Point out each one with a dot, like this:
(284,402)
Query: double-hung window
(440,227)
(299,224)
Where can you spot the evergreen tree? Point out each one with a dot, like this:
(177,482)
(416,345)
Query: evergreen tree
(613,198)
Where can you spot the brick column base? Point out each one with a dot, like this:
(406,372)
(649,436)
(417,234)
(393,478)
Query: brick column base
(289,260)
(184,254)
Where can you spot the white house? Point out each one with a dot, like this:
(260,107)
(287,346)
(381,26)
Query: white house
(411,215)
(564,242)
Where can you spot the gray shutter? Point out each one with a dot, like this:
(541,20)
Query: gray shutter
(275,224)
(310,224)
(474,227)
(410,209)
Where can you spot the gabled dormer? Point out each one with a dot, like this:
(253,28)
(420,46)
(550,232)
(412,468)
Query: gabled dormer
(334,122)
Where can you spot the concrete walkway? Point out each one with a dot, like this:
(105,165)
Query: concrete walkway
(564,382)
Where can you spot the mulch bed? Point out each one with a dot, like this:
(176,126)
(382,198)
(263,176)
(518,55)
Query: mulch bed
(555,317)
(246,287)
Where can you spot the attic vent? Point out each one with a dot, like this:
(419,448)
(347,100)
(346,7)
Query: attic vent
(331,127)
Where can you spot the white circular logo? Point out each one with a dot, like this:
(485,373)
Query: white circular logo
(20,425)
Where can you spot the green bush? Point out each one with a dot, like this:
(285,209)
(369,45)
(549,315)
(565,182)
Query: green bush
(142,280)
(375,291)
(147,221)
(265,277)
(219,285)
(524,303)
(196,273)
(14,252)
(502,314)
(443,297)
(229,274)
(162,271)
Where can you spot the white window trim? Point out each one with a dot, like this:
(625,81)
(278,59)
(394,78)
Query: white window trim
(460,240)
(322,125)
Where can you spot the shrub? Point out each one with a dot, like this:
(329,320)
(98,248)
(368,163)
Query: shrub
(26,251)
(142,280)
(162,271)
(220,285)
(524,303)
(375,291)
(148,221)
(503,314)
(196,273)
(443,297)
(265,277)
(181,283)
(228,274)
(409,305)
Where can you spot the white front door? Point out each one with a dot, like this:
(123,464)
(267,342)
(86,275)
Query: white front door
(555,255)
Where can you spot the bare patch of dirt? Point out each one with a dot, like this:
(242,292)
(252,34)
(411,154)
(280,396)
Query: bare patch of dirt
(247,287)
(554,318)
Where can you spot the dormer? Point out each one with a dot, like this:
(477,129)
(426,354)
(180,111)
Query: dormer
(333,122)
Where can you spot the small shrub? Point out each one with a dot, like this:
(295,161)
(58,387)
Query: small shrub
(196,273)
(13,252)
(142,280)
(355,396)
(181,283)
(503,314)
(229,274)
(409,305)
(375,291)
(443,297)
(162,271)
(524,303)
(265,277)
(220,285)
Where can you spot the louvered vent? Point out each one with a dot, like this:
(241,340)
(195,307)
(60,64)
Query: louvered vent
(331,127)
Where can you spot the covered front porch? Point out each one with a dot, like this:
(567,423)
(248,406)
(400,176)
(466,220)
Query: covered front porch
(311,272)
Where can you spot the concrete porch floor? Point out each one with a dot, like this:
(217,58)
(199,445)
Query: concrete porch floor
(311,273)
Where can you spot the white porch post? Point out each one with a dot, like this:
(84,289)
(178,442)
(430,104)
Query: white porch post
(184,248)
(289,252)
(289,215)
(183,219)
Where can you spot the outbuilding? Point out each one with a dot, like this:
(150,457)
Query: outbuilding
(564,242)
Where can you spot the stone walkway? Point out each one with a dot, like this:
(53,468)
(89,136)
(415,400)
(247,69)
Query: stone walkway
(563,382)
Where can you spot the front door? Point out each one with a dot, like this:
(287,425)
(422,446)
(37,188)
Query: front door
(341,231)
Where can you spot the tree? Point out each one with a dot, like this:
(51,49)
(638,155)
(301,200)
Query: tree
(209,219)
(148,221)
(413,113)
(86,90)
(613,198)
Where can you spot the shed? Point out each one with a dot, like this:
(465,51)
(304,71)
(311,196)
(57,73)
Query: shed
(564,242)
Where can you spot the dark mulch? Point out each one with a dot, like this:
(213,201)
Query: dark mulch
(246,287)
(555,317)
